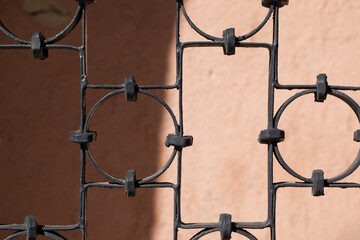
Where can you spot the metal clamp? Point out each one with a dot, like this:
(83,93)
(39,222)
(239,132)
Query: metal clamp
(357,136)
(85,1)
(130,183)
(318,183)
(225,226)
(31,227)
(82,137)
(178,142)
(38,46)
(271,135)
(277,3)
(322,87)
(131,88)
(229,41)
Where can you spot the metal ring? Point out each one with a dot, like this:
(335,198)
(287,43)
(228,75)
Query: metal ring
(118,180)
(68,28)
(51,235)
(213,38)
(348,100)
(51,40)
(207,231)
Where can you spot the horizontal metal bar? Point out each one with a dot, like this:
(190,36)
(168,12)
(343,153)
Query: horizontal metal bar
(247,225)
(28,46)
(120,86)
(303,184)
(301,87)
(15,46)
(57,46)
(21,227)
(15,227)
(94,86)
(61,227)
(221,44)
(116,185)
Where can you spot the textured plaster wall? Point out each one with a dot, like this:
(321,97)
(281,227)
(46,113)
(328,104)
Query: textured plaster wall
(225,108)
(225,104)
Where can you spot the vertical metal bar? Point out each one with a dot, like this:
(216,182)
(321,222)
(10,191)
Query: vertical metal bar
(273,225)
(271,100)
(83,76)
(214,42)
(177,188)
(177,196)
(83,85)
(83,190)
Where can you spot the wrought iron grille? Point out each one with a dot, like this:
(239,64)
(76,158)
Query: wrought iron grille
(178,140)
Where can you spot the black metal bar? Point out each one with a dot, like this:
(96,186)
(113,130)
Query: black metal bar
(300,87)
(272,80)
(270,136)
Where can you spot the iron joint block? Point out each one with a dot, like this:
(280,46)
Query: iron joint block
(131,89)
(357,136)
(178,141)
(277,3)
(38,46)
(85,1)
(130,183)
(322,88)
(318,183)
(225,226)
(271,135)
(82,137)
(31,227)
(229,41)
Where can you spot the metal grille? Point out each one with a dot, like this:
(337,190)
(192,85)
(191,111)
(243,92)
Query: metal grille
(177,140)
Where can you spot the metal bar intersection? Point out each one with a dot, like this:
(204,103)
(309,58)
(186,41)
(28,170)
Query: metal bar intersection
(40,47)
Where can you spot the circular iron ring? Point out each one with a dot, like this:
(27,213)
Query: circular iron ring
(119,180)
(73,23)
(51,235)
(349,101)
(213,38)
(211,230)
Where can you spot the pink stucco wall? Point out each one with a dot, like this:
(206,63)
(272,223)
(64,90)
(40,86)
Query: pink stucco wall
(225,104)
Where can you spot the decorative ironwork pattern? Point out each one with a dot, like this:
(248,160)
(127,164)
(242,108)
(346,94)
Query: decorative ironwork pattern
(40,47)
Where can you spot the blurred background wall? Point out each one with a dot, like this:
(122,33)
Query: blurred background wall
(225,104)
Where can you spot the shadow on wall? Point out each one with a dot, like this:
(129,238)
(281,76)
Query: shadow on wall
(40,105)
